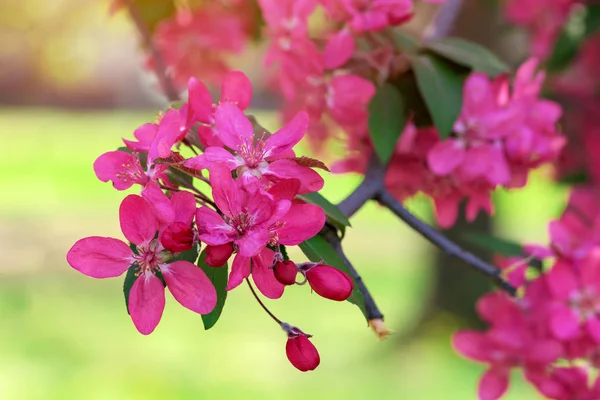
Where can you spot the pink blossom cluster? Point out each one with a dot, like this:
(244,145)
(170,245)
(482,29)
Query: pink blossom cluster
(501,134)
(552,329)
(199,42)
(330,73)
(544,19)
(251,214)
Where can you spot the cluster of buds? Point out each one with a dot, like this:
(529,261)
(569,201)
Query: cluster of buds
(251,214)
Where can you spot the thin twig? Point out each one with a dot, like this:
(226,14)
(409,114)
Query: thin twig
(261,303)
(444,20)
(441,241)
(160,67)
(330,234)
(367,189)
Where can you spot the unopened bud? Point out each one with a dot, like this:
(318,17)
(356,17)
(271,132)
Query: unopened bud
(177,237)
(285,272)
(217,256)
(330,282)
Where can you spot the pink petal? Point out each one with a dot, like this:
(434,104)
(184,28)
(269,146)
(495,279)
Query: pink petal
(169,133)
(237,89)
(446,210)
(264,277)
(562,281)
(240,270)
(146,302)
(232,126)
(445,156)
(544,351)
(100,257)
(310,180)
(564,323)
(593,328)
(301,222)
(160,203)
(190,286)
(226,192)
(473,345)
(212,229)
(339,49)
(288,136)
(138,222)
(200,105)
(253,241)
(213,155)
(145,135)
(285,190)
(121,168)
(184,206)
(493,384)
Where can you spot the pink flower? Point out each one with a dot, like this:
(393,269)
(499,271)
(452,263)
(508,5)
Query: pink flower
(101,257)
(122,168)
(299,350)
(236,88)
(576,298)
(254,157)
(245,216)
(567,383)
(196,45)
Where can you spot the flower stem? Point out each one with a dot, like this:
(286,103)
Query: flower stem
(262,304)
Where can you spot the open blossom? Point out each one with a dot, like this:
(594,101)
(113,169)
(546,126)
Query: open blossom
(236,88)
(255,158)
(252,219)
(101,257)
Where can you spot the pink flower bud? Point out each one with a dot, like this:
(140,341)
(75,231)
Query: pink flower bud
(217,256)
(285,272)
(301,352)
(329,282)
(177,237)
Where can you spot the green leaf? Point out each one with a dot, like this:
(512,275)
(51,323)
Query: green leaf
(318,248)
(331,210)
(386,120)
(406,42)
(218,276)
(191,255)
(130,278)
(575,178)
(582,23)
(441,86)
(468,54)
(497,245)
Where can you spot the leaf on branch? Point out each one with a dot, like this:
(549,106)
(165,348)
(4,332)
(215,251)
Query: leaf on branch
(497,245)
(155,11)
(316,249)
(130,278)
(468,54)
(334,215)
(406,42)
(190,255)
(441,86)
(218,277)
(386,120)
(582,23)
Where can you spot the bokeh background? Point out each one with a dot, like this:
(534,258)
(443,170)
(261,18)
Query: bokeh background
(71,86)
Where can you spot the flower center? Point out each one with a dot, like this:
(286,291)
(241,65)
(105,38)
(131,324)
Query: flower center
(586,302)
(241,222)
(252,153)
(132,171)
(149,257)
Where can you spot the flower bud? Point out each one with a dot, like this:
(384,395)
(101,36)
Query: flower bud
(299,349)
(329,282)
(217,256)
(285,272)
(177,237)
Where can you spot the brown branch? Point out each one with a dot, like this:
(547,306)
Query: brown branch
(444,20)
(160,67)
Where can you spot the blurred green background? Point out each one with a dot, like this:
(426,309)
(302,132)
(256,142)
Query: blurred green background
(67,336)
